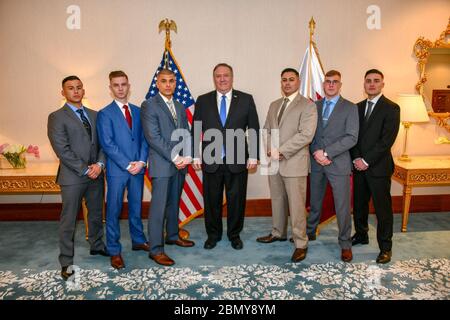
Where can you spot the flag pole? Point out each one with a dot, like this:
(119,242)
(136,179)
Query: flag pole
(312,26)
(168,26)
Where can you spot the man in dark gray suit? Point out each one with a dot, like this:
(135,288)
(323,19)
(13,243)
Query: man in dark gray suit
(163,119)
(337,132)
(72,134)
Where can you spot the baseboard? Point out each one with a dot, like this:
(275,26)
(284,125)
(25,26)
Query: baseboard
(254,208)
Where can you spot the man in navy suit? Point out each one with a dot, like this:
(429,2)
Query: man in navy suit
(122,140)
(166,129)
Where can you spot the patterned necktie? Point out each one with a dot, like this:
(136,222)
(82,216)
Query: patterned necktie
(128,116)
(86,123)
(283,107)
(172,111)
(223,110)
(326,113)
(369,110)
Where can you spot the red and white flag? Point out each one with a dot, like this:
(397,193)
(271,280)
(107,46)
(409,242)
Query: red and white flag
(311,75)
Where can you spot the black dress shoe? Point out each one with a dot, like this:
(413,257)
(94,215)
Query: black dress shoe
(99,252)
(237,244)
(358,239)
(269,239)
(65,274)
(209,244)
(384,257)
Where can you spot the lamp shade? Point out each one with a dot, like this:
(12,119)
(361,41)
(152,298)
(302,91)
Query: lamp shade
(412,108)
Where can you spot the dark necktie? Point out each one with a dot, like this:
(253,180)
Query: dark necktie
(172,111)
(283,107)
(86,123)
(369,110)
(326,113)
(128,116)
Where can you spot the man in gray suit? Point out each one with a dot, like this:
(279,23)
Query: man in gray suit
(166,130)
(337,132)
(72,134)
(295,119)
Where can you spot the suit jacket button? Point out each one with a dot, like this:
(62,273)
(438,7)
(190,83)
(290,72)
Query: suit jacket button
(132,139)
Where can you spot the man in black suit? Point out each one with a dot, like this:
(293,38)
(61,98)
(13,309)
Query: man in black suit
(222,118)
(379,120)
(73,136)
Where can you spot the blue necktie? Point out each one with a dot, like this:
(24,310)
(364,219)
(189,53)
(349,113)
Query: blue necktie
(326,113)
(223,118)
(223,110)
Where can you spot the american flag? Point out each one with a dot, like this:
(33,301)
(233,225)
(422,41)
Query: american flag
(191,203)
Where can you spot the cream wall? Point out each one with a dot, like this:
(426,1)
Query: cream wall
(257,37)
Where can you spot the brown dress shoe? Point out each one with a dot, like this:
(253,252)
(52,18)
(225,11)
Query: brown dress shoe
(143,246)
(346,255)
(269,239)
(384,257)
(299,254)
(181,243)
(162,259)
(117,262)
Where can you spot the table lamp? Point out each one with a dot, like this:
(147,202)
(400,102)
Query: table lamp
(412,109)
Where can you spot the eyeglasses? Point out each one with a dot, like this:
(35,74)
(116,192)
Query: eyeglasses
(329,82)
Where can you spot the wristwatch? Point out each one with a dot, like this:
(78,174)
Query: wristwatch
(325,153)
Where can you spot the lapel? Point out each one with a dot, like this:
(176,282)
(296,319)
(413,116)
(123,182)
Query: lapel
(75,118)
(165,108)
(215,111)
(336,110)
(91,116)
(375,111)
(290,107)
(319,105)
(119,115)
(233,107)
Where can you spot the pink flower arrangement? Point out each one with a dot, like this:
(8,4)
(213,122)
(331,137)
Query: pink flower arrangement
(15,153)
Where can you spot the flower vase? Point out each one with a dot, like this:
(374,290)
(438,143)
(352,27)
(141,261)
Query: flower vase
(17,160)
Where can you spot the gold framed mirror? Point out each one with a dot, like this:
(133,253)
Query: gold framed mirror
(433,62)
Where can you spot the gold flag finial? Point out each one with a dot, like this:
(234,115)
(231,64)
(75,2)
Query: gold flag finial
(312,26)
(167,26)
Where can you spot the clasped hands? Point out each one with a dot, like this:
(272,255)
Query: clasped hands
(181,162)
(360,165)
(320,158)
(251,164)
(275,154)
(94,171)
(135,167)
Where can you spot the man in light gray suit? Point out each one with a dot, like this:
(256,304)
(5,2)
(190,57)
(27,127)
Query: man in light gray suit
(73,136)
(168,157)
(337,132)
(294,118)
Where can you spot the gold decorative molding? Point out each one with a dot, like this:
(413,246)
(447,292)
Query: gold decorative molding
(421,49)
(29,185)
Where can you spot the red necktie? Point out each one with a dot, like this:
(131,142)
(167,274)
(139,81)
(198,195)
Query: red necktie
(127,115)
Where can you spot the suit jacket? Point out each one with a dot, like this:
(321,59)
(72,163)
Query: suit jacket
(241,115)
(296,131)
(158,126)
(337,137)
(377,136)
(120,143)
(72,145)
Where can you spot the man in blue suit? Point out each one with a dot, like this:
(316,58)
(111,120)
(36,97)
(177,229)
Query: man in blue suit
(122,140)
(166,129)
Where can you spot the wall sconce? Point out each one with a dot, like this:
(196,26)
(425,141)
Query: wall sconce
(412,109)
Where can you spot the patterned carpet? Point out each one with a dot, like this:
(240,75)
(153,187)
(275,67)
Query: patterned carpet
(416,279)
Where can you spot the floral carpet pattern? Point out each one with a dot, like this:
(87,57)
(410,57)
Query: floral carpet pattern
(412,279)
